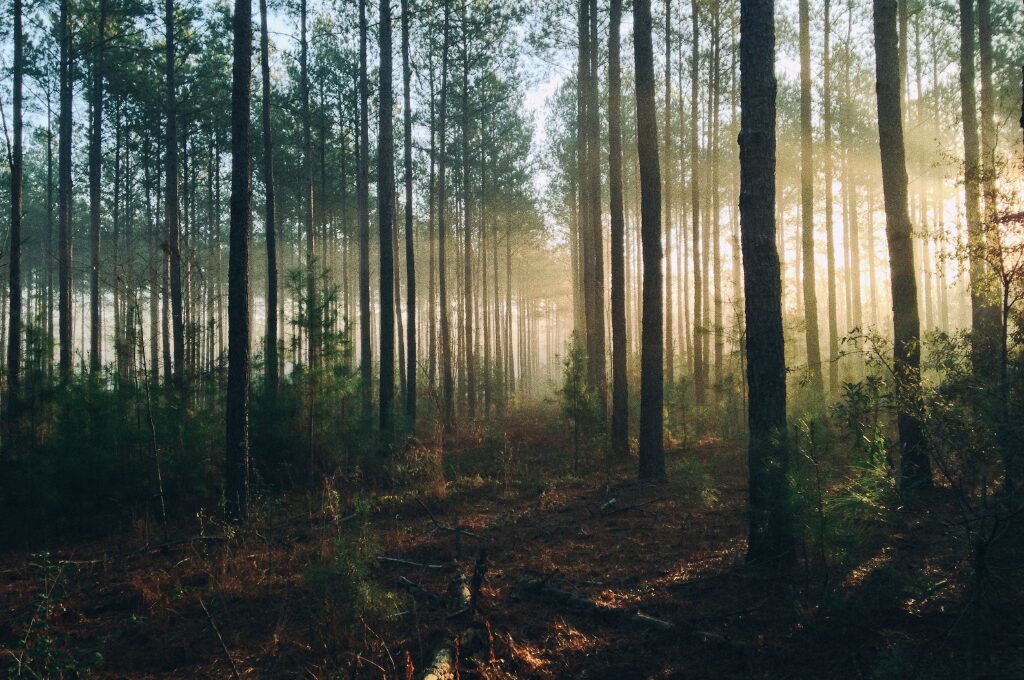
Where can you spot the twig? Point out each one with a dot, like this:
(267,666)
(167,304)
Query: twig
(144,549)
(446,566)
(457,530)
(227,654)
(612,509)
(418,591)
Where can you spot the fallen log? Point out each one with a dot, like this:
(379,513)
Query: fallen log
(442,666)
(461,595)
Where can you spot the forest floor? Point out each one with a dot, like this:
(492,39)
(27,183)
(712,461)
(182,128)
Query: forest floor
(246,603)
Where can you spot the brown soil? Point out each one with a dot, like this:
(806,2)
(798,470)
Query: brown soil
(672,551)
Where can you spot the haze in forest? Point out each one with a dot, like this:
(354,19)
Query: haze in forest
(698,322)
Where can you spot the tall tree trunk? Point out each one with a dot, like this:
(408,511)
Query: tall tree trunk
(906,325)
(363,207)
(236,461)
(447,382)
(17,183)
(833,323)
(64,195)
(386,223)
(807,204)
(432,241)
(699,366)
(989,139)
(270,209)
(49,229)
(667,193)
(716,214)
(95,195)
(469,339)
(582,186)
(410,254)
(596,352)
(312,304)
(984,315)
(652,442)
(171,202)
(767,457)
(620,386)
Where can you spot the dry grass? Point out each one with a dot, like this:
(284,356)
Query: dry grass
(673,552)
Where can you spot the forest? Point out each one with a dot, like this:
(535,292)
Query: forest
(494,339)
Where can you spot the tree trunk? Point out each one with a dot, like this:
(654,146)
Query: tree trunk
(620,386)
(410,255)
(236,461)
(833,322)
(363,207)
(64,195)
(469,339)
(171,201)
(770,524)
(906,325)
(716,240)
(807,205)
(699,368)
(667,192)
(312,304)
(432,241)
(447,382)
(270,210)
(95,195)
(652,443)
(17,183)
(984,315)
(386,219)
(596,351)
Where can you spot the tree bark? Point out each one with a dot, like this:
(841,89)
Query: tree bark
(270,209)
(95,189)
(596,352)
(620,386)
(469,339)
(171,201)
(64,191)
(833,322)
(915,469)
(386,226)
(410,255)
(363,207)
(699,366)
(767,457)
(652,443)
(984,315)
(447,382)
(236,462)
(667,191)
(17,183)
(312,303)
(807,205)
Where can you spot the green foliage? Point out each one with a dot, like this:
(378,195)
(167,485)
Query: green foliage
(345,582)
(97,451)
(311,422)
(698,485)
(843,486)
(579,401)
(41,652)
